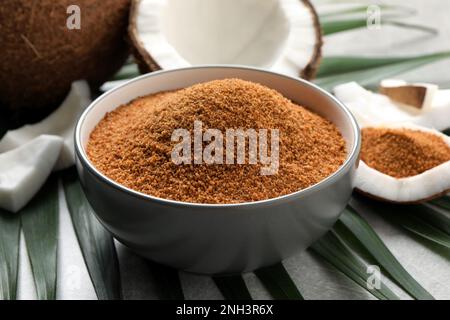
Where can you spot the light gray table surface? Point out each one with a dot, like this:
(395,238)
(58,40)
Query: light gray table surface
(316,279)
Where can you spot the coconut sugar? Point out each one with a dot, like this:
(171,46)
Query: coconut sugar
(132,145)
(402,153)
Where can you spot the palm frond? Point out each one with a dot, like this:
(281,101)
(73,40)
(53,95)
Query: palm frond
(40,227)
(232,287)
(330,27)
(167,281)
(278,282)
(9,254)
(334,251)
(369,71)
(391,11)
(96,243)
(372,242)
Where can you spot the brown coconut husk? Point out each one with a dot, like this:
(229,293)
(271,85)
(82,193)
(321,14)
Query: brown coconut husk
(411,95)
(310,71)
(41,57)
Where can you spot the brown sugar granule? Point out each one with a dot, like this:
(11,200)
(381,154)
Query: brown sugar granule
(132,145)
(402,153)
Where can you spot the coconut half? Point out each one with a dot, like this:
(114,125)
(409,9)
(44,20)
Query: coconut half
(371,108)
(41,55)
(282,35)
(428,185)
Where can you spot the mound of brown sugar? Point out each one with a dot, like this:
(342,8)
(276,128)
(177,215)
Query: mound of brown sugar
(132,145)
(402,153)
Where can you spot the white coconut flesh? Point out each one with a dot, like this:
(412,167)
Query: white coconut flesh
(430,184)
(371,108)
(60,123)
(24,170)
(282,35)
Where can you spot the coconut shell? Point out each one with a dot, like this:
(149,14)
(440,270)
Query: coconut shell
(410,95)
(143,59)
(310,71)
(40,57)
(146,62)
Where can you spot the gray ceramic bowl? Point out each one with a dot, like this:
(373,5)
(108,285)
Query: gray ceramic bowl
(228,238)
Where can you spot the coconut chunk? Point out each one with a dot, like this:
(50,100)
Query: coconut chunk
(60,123)
(24,170)
(371,108)
(428,185)
(283,35)
(414,95)
(441,99)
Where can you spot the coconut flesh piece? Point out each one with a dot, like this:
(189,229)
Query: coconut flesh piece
(282,35)
(418,96)
(24,170)
(60,123)
(428,185)
(371,108)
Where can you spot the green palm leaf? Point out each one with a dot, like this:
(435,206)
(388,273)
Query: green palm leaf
(336,26)
(330,27)
(427,220)
(338,65)
(436,215)
(278,282)
(167,281)
(372,242)
(96,243)
(424,230)
(443,202)
(422,220)
(333,249)
(369,71)
(395,11)
(9,254)
(40,228)
(232,287)
(351,242)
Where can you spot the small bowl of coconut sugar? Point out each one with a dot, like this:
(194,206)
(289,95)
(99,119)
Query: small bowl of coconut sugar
(217,169)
